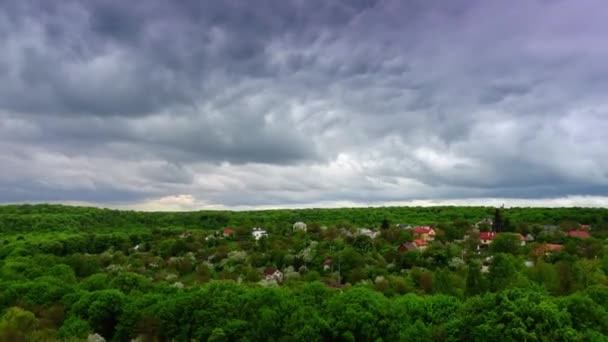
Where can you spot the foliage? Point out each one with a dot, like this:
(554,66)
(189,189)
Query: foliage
(67,272)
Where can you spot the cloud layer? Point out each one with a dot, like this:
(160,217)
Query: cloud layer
(302,103)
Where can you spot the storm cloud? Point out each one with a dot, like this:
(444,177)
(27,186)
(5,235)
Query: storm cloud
(192,104)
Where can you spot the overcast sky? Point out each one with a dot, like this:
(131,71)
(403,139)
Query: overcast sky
(240,104)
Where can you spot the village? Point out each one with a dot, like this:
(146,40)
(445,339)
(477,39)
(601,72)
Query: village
(326,253)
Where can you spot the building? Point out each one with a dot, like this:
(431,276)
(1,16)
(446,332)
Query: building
(486,238)
(271,273)
(421,244)
(228,232)
(426,233)
(404,226)
(529,238)
(259,233)
(327,264)
(585,227)
(579,234)
(368,232)
(547,249)
(485,221)
(407,246)
(299,226)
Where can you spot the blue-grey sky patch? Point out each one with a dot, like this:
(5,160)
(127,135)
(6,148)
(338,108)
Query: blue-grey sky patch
(294,103)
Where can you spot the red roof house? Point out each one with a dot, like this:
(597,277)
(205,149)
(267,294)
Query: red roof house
(426,233)
(421,243)
(486,237)
(273,274)
(327,264)
(579,234)
(407,246)
(522,239)
(547,248)
(228,232)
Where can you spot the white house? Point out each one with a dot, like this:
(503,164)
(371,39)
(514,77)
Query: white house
(368,232)
(273,274)
(299,226)
(259,233)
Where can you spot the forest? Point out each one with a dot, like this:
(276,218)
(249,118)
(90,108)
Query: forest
(350,274)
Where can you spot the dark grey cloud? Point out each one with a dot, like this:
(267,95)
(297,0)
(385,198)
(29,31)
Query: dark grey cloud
(300,102)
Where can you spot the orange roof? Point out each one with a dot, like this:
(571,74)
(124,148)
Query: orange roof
(420,243)
(269,271)
(487,235)
(424,230)
(547,248)
(554,247)
(578,233)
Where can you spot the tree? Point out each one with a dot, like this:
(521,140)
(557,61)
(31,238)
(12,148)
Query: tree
(392,235)
(385,224)
(475,283)
(362,243)
(75,327)
(17,324)
(506,243)
(358,315)
(443,282)
(507,226)
(101,309)
(503,272)
(498,223)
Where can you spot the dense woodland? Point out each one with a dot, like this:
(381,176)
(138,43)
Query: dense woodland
(67,273)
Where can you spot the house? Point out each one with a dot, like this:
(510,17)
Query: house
(259,233)
(345,232)
(579,234)
(426,233)
(368,232)
(550,227)
(486,238)
(547,249)
(523,240)
(327,264)
(185,234)
(421,244)
(485,264)
(228,232)
(407,246)
(485,221)
(405,226)
(529,238)
(299,226)
(271,273)
(585,227)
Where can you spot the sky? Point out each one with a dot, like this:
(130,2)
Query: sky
(184,105)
